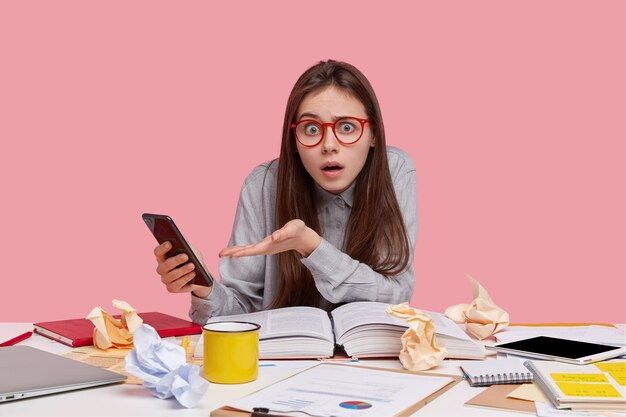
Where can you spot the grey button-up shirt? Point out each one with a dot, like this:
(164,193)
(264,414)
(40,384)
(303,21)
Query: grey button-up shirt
(250,283)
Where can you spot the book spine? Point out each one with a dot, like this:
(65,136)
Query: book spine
(176,332)
(552,396)
(64,340)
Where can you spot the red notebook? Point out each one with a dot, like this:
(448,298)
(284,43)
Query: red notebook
(79,332)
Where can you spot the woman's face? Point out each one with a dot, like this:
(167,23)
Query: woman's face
(332,164)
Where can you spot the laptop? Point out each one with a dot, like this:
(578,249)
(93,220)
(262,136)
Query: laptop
(29,372)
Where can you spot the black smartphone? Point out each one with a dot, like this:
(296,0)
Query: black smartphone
(164,229)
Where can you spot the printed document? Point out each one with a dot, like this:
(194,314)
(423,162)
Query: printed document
(344,391)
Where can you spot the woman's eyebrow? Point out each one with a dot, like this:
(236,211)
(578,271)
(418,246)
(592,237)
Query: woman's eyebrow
(311,115)
(315,116)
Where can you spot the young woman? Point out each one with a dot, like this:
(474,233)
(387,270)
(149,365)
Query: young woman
(332,220)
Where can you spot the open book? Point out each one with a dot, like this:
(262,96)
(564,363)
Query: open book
(362,329)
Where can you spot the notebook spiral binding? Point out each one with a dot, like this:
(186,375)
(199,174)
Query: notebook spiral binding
(510,378)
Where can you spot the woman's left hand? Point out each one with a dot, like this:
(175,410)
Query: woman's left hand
(294,235)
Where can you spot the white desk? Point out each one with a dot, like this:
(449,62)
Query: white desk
(135,400)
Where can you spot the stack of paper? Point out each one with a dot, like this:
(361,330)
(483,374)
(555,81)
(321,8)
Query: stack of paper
(599,386)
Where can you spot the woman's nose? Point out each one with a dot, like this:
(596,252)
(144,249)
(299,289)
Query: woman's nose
(330,143)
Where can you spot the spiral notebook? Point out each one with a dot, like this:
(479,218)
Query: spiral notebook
(499,371)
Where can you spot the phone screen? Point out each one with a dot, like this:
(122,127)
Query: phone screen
(164,230)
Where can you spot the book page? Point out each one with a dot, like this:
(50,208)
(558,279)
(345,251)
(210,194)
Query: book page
(365,328)
(356,314)
(289,321)
(445,326)
(352,315)
(282,328)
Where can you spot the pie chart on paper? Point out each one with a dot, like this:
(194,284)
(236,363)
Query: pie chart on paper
(355,405)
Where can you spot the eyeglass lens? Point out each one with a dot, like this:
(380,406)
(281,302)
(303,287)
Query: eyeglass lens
(347,130)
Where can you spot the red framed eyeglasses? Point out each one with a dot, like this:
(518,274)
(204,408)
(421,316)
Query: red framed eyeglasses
(347,130)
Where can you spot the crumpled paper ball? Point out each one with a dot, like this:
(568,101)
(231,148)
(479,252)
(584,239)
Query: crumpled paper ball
(482,317)
(419,342)
(163,368)
(110,332)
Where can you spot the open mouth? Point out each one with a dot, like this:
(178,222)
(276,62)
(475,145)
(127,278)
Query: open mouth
(332,167)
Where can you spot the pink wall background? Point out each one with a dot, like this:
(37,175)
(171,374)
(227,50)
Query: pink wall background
(512,111)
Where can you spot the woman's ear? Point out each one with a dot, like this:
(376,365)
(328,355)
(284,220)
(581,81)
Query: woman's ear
(372,142)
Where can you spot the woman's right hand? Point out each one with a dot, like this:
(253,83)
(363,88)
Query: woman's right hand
(177,272)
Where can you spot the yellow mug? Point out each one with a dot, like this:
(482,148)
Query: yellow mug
(231,352)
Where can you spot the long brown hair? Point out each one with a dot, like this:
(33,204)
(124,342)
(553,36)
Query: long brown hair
(376,234)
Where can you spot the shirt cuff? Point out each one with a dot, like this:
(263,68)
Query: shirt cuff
(324,262)
(202,308)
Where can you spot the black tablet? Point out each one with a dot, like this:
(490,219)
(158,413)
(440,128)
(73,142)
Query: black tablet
(563,350)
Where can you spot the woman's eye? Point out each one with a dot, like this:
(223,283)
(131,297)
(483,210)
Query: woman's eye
(311,129)
(346,127)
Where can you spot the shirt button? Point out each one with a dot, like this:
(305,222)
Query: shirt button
(338,225)
(339,201)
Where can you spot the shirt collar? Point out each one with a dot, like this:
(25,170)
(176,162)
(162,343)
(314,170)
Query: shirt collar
(326,197)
